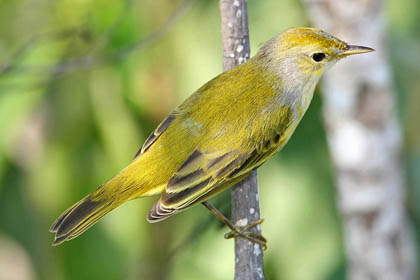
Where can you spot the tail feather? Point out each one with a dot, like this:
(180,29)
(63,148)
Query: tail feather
(88,211)
(78,218)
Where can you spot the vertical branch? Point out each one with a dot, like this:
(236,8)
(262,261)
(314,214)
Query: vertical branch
(235,34)
(245,204)
(365,143)
(246,208)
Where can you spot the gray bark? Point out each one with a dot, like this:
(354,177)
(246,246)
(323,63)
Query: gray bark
(365,144)
(245,204)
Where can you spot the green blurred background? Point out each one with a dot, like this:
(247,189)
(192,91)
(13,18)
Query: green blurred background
(84,82)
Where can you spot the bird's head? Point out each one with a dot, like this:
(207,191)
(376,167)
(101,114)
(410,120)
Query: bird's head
(305,53)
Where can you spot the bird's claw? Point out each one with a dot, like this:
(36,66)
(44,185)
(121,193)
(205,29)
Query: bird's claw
(245,232)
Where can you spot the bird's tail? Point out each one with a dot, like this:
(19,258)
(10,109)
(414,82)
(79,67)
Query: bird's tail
(85,213)
(81,216)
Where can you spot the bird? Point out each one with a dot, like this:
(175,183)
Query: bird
(227,128)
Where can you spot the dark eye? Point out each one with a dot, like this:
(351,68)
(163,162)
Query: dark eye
(318,57)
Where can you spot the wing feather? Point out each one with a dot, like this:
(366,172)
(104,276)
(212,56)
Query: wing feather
(207,172)
(209,175)
(156,134)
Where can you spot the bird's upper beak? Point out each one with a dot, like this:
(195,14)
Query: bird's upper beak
(352,49)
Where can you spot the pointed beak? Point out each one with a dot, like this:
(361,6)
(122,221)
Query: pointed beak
(351,49)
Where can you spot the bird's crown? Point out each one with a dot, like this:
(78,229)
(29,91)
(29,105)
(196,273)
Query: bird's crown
(303,36)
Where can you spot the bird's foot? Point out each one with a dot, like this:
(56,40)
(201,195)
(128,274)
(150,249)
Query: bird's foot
(244,231)
(239,230)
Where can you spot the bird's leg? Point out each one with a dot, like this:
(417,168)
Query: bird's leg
(238,230)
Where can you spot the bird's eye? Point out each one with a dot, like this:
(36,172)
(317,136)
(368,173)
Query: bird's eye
(318,57)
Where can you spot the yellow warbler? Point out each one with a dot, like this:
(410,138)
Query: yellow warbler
(215,138)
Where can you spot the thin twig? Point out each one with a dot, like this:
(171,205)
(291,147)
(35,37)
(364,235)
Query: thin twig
(95,60)
(10,64)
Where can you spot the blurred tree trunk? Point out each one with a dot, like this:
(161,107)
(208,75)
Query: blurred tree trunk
(365,144)
(245,204)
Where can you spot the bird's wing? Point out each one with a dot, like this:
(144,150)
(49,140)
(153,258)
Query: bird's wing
(206,173)
(156,133)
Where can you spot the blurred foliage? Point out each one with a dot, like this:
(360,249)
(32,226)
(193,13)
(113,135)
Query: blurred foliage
(83,83)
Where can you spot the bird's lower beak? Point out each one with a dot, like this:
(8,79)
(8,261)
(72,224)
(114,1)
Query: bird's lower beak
(351,49)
